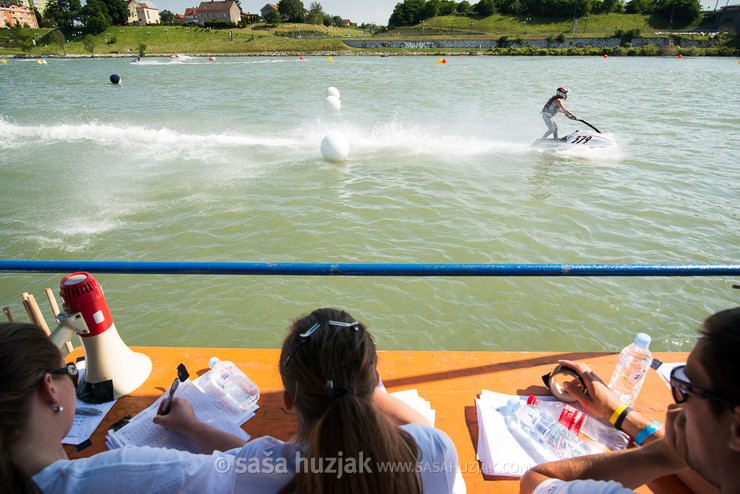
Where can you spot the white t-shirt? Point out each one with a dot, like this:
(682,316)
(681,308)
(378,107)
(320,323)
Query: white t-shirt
(267,464)
(555,486)
(138,470)
(263,465)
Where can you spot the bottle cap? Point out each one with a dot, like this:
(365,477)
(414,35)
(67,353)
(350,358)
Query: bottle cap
(213,361)
(642,340)
(513,405)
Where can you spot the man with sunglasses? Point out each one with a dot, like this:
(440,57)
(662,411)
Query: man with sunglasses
(701,434)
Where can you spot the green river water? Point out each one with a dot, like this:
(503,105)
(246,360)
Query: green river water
(197,160)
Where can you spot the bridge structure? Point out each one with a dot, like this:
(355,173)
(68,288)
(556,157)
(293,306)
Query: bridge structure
(728,19)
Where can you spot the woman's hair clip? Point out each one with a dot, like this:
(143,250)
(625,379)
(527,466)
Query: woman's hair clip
(310,331)
(353,324)
(301,341)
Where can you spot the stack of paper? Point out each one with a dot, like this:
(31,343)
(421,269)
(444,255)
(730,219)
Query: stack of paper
(499,452)
(664,370)
(141,431)
(411,397)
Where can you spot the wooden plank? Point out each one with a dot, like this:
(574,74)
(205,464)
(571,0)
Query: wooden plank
(8,314)
(450,381)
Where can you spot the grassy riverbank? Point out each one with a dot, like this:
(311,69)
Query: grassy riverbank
(291,39)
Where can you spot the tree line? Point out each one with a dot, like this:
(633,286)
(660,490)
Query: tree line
(94,17)
(413,12)
(295,11)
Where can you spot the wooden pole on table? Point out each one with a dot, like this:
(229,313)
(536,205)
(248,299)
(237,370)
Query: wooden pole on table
(9,314)
(52,302)
(32,314)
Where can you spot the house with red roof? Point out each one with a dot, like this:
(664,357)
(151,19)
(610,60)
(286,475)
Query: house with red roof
(267,8)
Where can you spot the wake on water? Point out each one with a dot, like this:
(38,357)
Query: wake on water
(392,138)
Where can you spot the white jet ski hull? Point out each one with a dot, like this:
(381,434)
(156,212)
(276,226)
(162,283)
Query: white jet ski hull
(576,140)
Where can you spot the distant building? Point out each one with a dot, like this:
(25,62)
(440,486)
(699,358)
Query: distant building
(250,18)
(39,5)
(227,11)
(191,16)
(141,14)
(11,14)
(267,8)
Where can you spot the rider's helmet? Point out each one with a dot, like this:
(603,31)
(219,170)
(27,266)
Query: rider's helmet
(563,92)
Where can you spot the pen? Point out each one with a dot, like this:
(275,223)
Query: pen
(166,406)
(87,411)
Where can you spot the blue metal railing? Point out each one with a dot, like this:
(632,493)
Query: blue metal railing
(364,269)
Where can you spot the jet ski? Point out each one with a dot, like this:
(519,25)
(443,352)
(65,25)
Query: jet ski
(575,140)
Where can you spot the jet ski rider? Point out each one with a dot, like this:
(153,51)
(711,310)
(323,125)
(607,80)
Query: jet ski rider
(551,108)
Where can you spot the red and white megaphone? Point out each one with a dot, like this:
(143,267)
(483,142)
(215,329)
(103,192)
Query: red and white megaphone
(111,368)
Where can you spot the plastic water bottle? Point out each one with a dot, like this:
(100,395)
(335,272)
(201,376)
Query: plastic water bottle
(633,365)
(229,385)
(577,422)
(546,431)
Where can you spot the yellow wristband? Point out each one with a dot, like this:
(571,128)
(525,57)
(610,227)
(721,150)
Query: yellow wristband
(617,413)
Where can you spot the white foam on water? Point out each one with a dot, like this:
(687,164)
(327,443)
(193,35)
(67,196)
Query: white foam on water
(136,135)
(400,138)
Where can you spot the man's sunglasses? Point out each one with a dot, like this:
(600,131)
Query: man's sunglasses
(681,387)
(70,370)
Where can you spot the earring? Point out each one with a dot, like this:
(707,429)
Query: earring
(57,408)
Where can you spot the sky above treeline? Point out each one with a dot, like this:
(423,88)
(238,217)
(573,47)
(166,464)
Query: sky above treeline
(359,11)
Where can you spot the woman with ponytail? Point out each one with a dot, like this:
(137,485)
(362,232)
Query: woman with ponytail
(352,435)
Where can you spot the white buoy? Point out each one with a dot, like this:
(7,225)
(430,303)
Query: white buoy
(335,147)
(332,103)
(332,91)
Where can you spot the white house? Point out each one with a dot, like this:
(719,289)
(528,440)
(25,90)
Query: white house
(141,13)
(227,11)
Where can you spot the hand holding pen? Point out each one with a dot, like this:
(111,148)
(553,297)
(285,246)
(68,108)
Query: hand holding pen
(165,408)
(182,374)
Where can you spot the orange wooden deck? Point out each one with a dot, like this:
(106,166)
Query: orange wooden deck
(450,381)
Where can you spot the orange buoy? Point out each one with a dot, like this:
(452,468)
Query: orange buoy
(680,56)
(300,58)
(605,55)
(444,60)
(210,58)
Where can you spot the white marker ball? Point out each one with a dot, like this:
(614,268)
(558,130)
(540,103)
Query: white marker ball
(332,103)
(335,147)
(332,91)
